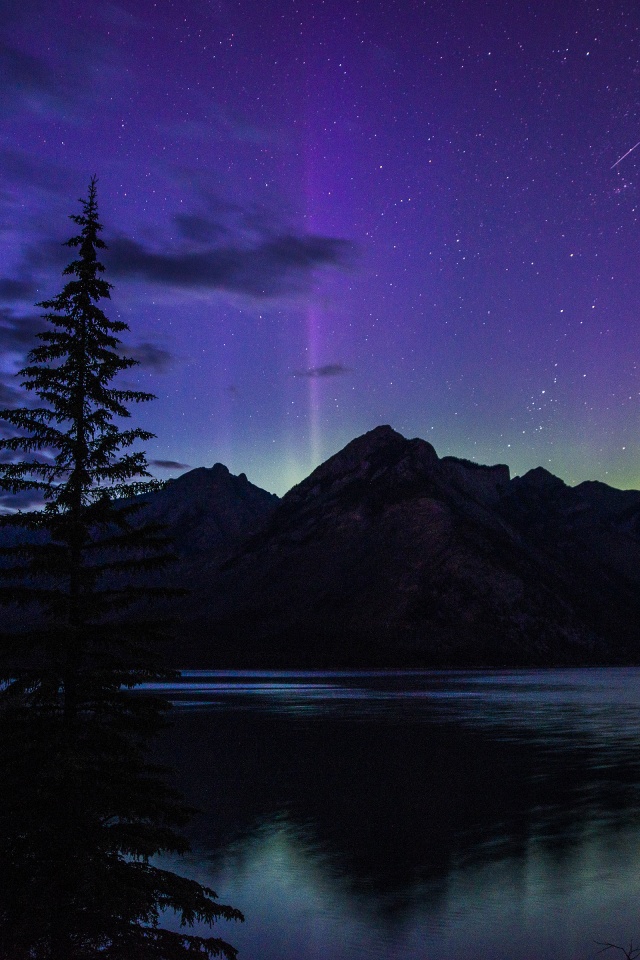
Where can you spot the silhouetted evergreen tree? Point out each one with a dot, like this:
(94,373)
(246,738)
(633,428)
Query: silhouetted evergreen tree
(82,811)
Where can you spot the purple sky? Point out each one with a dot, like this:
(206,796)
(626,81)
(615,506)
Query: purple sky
(323,216)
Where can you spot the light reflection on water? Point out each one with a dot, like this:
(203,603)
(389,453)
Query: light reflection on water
(603,704)
(418,814)
(298,905)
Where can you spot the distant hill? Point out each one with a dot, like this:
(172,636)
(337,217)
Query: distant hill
(387,555)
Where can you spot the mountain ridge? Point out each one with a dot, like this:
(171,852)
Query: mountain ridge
(387,556)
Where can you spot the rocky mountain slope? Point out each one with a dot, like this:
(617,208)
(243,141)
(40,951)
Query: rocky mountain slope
(208,511)
(387,555)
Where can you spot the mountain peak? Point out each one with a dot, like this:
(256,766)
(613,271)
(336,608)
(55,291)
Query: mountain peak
(363,460)
(387,555)
(381,439)
(542,479)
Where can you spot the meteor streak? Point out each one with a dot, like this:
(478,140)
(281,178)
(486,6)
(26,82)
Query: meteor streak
(625,155)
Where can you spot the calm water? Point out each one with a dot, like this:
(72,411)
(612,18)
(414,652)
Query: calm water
(415,815)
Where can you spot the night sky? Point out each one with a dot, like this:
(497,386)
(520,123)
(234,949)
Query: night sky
(323,216)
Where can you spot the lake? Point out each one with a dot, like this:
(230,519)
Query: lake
(407,815)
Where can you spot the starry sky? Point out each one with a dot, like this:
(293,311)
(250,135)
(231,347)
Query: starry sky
(324,215)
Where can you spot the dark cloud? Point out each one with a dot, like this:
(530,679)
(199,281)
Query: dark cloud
(267,269)
(11,395)
(11,456)
(17,289)
(329,370)
(46,255)
(169,464)
(25,500)
(23,74)
(24,169)
(27,80)
(199,229)
(18,334)
(53,78)
(150,356)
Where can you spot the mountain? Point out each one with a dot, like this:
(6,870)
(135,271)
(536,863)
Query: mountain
(208,511)
(387,555)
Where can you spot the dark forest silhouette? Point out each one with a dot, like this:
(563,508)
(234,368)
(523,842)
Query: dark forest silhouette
(82,810)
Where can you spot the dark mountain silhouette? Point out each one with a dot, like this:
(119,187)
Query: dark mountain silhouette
(208,511)
(387,555)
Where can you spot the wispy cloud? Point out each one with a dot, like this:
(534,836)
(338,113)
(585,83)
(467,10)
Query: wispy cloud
(28,170)
(169,465)
(224,126)
(150,356)
(24,77)
(199,229)
(11,290)
(328,370)
(25,500)
(10,393)
(18,334)
(55,85)
(269,268)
